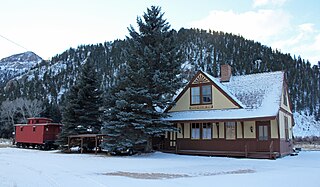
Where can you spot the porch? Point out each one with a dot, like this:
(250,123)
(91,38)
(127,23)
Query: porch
(264,155)
(242,148)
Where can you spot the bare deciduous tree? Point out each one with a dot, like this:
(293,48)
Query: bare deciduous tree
(33,108)
(19,110)
(8,111)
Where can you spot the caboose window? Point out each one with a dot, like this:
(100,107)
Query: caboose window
(21,128)
(34,128)
(47,129)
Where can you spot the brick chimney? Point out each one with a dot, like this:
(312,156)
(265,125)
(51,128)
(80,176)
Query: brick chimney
(225,70)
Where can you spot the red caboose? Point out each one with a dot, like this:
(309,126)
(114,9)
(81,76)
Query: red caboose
(38,132)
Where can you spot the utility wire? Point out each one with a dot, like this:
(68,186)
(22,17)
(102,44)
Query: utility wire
(13,42)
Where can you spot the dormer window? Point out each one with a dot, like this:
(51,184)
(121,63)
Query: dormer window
(201,95)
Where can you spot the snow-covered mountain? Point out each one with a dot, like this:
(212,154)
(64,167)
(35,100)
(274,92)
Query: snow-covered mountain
(305,125)
(199,50)
(16,65)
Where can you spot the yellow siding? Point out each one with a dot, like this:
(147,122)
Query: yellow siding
(220,101)
(186,130)
(239,130)
(287,108)
(221,130)
(180,132)
(247,129)
(274,129)
(290,127)
(215,131)
(183,103)
(282,125)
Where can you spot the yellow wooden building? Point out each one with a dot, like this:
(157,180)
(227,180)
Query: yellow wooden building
(247,116)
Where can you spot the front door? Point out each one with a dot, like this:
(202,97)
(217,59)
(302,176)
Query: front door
(263,136)
(173,139)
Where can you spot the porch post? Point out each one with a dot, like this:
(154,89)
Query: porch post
(69,143)
(96,138)
(81,145)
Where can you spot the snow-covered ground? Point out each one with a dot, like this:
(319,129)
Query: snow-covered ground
(25,167)
(5,142)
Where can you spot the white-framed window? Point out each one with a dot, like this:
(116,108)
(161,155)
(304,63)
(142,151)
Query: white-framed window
(195,95)
(230,130)
(206,131)
(201,94)
(206,94)
(195,131)
(286,127)
(263,132)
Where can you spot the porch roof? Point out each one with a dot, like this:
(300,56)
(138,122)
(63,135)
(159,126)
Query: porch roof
(215,115)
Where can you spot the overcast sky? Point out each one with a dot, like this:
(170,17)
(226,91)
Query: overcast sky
(49,27)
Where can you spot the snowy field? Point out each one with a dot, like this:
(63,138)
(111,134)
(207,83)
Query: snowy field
(25,167)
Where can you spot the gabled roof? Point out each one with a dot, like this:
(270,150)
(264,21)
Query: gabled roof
(224,89)
(216,83)
(259,96)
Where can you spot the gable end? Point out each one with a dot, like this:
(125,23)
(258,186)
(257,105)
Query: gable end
(200,78)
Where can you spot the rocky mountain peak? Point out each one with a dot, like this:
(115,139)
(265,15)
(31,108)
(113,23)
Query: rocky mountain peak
(16,65)
(28,56)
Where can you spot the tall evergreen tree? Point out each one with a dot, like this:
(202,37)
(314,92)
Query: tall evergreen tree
(148,82)
(82,113)
(90,99)
(69,118)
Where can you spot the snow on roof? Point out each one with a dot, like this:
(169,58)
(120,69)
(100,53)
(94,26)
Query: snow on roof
(230,114)
(217,82)
(262,90)
(259,94)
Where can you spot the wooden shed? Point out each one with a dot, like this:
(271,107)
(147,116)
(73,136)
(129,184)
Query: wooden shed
(85,142)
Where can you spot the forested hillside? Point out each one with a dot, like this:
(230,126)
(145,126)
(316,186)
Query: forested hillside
(200,49)
(208,50)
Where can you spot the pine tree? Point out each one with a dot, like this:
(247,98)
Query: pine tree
(82,113)
(90,99)
(69,118)
(147,84)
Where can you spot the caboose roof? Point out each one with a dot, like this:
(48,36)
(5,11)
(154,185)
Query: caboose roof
(40,124)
